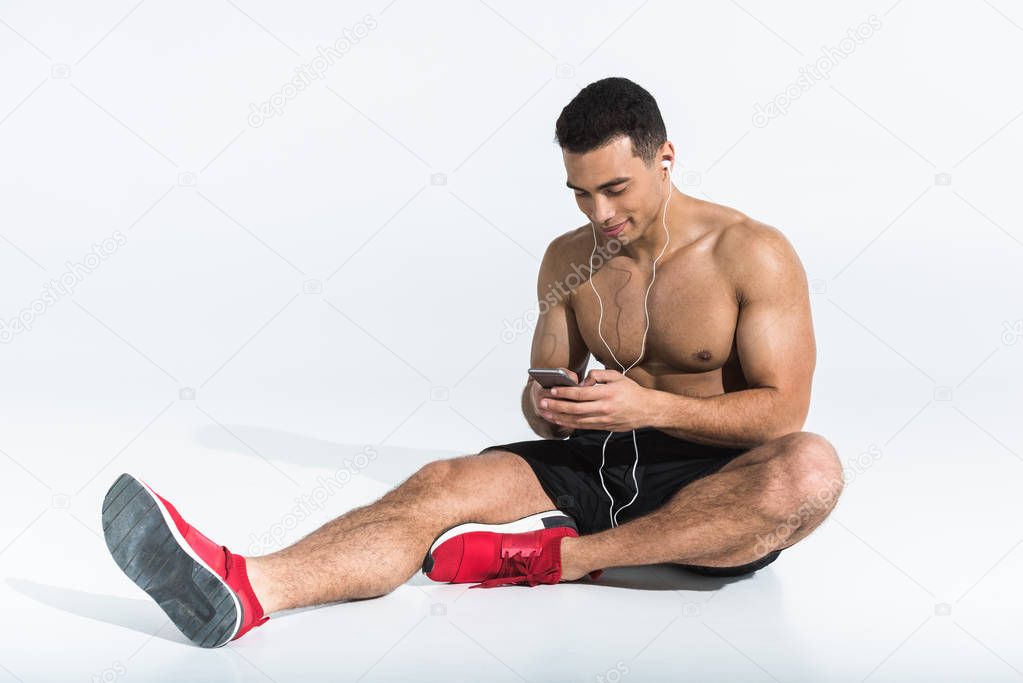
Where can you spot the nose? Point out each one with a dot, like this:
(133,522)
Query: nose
(603,211)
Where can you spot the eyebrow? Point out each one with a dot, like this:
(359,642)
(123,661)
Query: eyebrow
(615,181)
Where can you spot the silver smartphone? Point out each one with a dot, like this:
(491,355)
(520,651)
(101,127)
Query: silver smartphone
(552,377)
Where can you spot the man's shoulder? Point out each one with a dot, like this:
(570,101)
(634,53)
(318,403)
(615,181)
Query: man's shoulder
(751,252)
(574,239)
(571,248)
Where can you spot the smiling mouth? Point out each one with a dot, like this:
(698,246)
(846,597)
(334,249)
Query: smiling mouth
(615,228)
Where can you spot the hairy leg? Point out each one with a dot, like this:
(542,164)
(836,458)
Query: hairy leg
(371,550)
(765,499)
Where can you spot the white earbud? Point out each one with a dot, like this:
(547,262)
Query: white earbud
(665,164)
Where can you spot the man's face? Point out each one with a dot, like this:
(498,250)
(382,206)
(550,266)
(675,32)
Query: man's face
(618,192)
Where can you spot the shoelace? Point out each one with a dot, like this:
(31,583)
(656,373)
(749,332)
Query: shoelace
(519,569)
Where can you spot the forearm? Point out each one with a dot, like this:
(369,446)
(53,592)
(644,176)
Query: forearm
(540,426)
(739,419)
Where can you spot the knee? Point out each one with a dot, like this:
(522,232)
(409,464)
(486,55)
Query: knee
(442,480)
(435,472)
(811,470)
(424,492)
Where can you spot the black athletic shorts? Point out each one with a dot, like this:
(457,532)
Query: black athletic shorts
(568,471)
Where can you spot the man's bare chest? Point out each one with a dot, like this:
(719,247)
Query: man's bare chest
(692,309)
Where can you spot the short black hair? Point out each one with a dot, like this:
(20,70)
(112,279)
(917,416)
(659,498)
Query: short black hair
(607,109)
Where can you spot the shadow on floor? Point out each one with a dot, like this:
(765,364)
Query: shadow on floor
(138,615)
(666,577)
(390,466)
(657,577)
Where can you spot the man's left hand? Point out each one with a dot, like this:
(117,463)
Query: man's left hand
(607,400)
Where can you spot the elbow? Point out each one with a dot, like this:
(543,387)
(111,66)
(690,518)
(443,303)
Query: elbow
(782,429)
(789,416)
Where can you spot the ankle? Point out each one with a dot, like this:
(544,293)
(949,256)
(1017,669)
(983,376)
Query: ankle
(572,567)
(262,585)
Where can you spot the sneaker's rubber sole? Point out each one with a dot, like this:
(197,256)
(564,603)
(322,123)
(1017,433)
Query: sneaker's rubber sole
(147,546)
(541,520)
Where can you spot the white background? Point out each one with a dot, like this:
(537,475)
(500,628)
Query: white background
(320,289)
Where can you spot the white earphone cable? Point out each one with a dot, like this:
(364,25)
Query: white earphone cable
(664,222)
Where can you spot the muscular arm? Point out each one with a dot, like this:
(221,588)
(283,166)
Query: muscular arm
(776,347)
(557,342)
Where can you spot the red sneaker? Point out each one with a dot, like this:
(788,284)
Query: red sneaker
(201,586)
(526,551)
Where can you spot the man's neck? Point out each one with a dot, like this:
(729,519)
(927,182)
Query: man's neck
(648,246)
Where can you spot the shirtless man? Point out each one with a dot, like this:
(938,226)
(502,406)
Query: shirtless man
(717,476)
